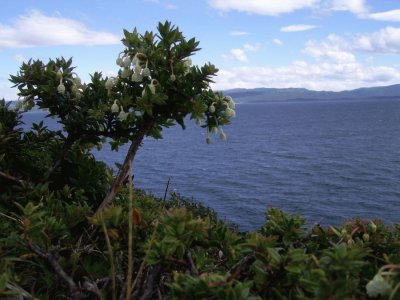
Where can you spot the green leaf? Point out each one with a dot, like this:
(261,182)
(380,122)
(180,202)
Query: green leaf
(274,254)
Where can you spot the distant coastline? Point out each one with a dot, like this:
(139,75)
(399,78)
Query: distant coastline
(258,95)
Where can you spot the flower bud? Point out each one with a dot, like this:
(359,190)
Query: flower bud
(137,77)
(229,112)
(59,74)
(115,107)
(214,130)
(126,72)
(137,69)
(110,83)
(211,109)
(172,77)
(126,62)
(378,286)
(373,226)
(122,115)
(146,72)
(187,62)
(365,237)
(77,81)
(223,136)
(61,88)
(119,61)
(231,103)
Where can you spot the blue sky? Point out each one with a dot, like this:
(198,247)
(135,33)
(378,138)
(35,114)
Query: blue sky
(315,44)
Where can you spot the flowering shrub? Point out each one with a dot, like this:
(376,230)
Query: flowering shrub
(156,87)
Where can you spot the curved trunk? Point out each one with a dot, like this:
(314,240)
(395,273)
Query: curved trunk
(116,186)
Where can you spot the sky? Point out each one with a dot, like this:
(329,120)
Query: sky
(315,44)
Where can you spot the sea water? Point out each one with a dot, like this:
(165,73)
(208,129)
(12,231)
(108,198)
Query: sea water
(325,160)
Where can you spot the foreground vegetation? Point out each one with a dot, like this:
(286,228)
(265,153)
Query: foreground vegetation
(70,229)
(53,247)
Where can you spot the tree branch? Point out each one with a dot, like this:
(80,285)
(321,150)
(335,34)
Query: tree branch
(52,261)
(10,178)
(66,147)
(193,270)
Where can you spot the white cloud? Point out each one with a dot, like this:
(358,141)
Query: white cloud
(357,7)
(36,29)
(297,27)
(322,76)
(390,15)
(239,54)
(334,67)
(265,7)
(250,47)
(386,40)
(333,49)
(277,42)
(238,33)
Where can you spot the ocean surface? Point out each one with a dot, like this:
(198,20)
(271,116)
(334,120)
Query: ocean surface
(328,161)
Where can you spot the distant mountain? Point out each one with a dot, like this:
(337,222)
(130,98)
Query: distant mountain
(274,94)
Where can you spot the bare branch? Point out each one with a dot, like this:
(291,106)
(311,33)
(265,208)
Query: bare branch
(52,261)
(10,178)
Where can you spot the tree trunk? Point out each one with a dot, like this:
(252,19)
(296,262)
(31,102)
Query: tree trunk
(116,186)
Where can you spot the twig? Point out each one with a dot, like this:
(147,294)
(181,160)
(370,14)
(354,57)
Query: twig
(111,257)
(193,270)
(66,147)
(151,279)
(142,265)
(52,261)
(10,178)
(17,290)
(166,189)
(241,266)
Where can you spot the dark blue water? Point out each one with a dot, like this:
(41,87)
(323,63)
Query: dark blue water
(328,161)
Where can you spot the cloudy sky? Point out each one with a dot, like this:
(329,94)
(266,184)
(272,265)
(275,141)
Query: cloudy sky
(315,44)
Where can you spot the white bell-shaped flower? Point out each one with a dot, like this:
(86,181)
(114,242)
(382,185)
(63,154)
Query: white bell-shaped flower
(126,72)
(110,83)
(146,72)
(126,61)
(115,107)
(59,74)
(61,88)
(223,135)
(378,286)
(211,109)
(122,115)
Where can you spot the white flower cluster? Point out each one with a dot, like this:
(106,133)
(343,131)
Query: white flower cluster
(75,88)
(132,66)
(228,106)
(115,108)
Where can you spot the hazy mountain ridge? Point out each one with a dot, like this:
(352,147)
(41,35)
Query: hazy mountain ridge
(285,94)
